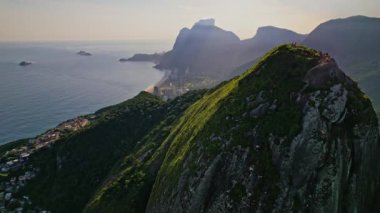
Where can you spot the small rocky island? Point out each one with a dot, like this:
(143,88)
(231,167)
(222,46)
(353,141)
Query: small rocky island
(84,53)
(25,63)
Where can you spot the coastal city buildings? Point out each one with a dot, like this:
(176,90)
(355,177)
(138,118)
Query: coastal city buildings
(15,170)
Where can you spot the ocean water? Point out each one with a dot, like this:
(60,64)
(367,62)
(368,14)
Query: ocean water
(60,84)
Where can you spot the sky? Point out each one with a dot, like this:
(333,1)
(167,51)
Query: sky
(59,20)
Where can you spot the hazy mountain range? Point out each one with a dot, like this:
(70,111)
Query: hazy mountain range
(207,50)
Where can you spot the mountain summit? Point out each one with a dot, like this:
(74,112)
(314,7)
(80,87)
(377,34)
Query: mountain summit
(205,22)
(199,51)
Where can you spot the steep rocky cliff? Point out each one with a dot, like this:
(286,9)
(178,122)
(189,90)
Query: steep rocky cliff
(293,133)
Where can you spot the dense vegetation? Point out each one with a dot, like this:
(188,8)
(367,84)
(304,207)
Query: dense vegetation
(72,170)
(130,182)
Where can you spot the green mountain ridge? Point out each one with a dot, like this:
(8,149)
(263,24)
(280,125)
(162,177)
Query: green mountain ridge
(291,134)
(263,160)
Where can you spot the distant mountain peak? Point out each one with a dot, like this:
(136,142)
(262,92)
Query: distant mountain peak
(205,23)
(341,37)
(358,17)
(264,30)
(268,27)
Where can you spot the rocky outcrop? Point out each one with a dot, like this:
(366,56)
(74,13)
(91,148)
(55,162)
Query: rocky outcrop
(324,73)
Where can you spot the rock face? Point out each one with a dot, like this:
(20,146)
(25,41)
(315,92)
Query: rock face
(310,144)
(325,169)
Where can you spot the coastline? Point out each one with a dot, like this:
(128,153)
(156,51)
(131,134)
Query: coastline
(149,89)
(61,85)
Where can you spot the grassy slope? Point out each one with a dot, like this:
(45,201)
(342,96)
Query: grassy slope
(209,114)
(130,182)
(76,167)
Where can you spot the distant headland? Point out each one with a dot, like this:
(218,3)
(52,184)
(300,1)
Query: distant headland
(155,58)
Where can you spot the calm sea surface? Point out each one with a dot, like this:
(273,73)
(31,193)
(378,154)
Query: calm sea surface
(60,84)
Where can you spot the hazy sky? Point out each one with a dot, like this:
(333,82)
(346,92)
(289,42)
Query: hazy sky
(42,20)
